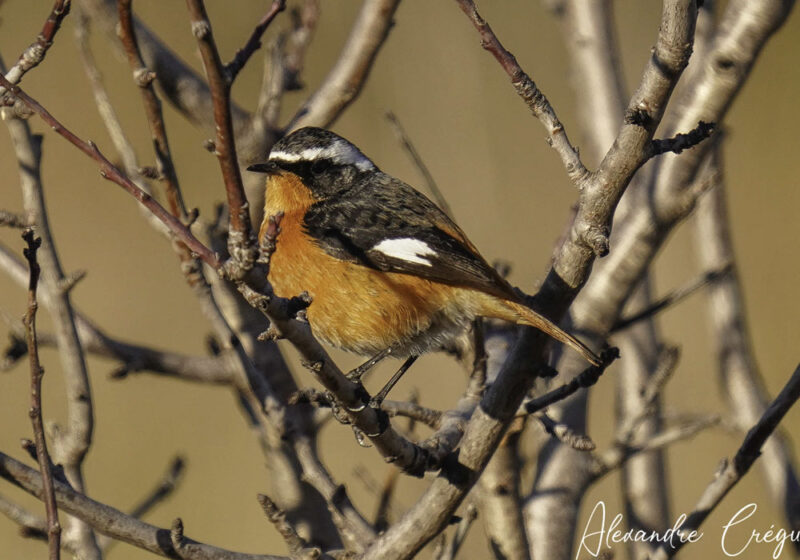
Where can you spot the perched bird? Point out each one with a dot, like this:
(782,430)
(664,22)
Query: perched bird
(386,269)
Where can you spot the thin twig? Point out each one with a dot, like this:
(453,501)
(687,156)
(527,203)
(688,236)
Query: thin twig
(672,298)
(417,160)
(35,53)
(532,96)
(665,366)
(144,79)
(112,173)
(683,141)
(241,57)
(428,416)
(12,220)
(621,452)
(349,74)
(563,433)
(37,372)
(451,548)
(241,233)
(284,64)
(733,471)
(163,489)
(586,379)
(277,517)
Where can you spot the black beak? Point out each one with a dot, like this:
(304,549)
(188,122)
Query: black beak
(267,167)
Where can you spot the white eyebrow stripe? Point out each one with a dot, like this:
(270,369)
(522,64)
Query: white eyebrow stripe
(307,154)
(407,249)
(340,153)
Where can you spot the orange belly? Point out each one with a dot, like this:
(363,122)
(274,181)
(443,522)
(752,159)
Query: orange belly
(355,307)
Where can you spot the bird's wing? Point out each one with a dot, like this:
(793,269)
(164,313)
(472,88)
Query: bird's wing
(389,226)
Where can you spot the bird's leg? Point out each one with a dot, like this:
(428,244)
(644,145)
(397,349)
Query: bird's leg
(357,373)
(378,399)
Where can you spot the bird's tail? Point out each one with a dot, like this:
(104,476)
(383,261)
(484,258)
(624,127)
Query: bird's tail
(523,315)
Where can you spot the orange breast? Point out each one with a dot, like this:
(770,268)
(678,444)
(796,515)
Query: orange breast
(354,307)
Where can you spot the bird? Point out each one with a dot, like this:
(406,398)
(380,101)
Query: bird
(387,270)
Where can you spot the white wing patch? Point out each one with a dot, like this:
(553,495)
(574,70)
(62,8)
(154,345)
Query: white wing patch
(406,249)
(340,152)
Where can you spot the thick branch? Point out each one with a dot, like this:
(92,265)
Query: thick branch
(113,522)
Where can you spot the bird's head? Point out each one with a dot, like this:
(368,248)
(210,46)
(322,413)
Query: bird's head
(325,162)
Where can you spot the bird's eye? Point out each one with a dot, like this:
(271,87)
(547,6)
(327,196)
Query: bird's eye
(320,166)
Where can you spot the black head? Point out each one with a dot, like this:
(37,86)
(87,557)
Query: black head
(327,163)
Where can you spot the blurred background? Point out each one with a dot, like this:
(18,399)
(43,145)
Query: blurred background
(506,187)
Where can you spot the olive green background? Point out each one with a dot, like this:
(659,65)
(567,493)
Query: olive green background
(506,187)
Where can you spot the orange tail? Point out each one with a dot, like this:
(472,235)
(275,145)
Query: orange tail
(518,313)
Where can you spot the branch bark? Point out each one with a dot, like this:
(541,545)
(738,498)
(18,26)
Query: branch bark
(37,372)
(72,443)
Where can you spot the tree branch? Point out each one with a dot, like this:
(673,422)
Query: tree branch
(241,57)
(224,146)
(530,94)
(733,471)
(35,53)
(113,522)
(112,173)
(37,372)
(348,75)
(70,444)
(144,79)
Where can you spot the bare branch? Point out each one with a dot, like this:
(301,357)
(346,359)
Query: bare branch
(144,79)
(498,490)
(113,522)
(428,416)
(586,379)
(71,444)
(450,550)
(530,94)
(733,471)
(9,219)
(224,146)
(34,54)
(673,297)
(241,57)
(737,367)
(683,141)
(112,173)
(563,433)
(345,80)
(277,517)
(418,162)
(37,372)
(179,83)
(619,453)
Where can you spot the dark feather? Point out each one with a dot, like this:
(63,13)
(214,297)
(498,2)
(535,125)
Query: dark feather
(382,207)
